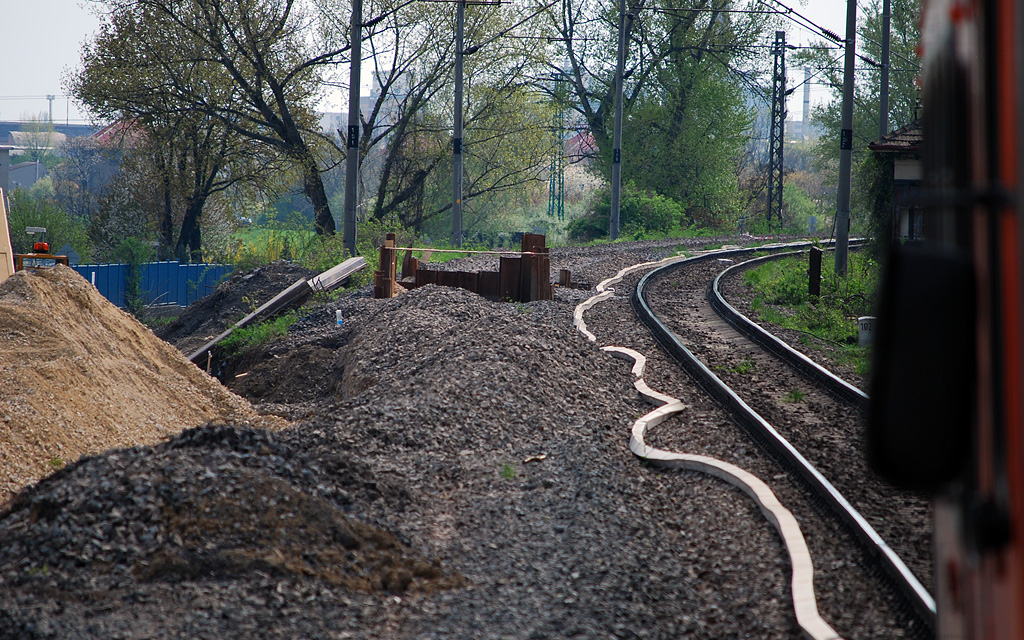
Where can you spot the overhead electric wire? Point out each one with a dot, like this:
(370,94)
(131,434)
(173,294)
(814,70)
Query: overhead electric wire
(807,22)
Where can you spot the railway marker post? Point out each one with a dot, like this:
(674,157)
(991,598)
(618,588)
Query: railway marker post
(814,273)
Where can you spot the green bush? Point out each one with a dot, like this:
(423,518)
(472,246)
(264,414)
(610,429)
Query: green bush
(134,253)
(642,214)
(36,210)
(781,296)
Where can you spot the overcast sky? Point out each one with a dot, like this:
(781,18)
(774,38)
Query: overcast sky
(42,40)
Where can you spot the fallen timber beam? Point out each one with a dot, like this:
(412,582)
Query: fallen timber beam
(289,298)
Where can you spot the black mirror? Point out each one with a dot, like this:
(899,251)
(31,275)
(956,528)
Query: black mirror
(923,378)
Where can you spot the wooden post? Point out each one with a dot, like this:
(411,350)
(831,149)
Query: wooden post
(535,277)
(564,278)
(543,276)
(508,276)
(380,289)
(425,277)
(408,265)
(814,273)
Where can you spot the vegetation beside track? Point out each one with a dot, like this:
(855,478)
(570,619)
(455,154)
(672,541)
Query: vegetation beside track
(781,297)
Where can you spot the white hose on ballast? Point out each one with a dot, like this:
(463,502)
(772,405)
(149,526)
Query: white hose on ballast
(805,604)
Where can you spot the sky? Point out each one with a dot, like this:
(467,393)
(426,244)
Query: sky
(42,41)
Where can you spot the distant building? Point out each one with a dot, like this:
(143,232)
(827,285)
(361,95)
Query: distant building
(903,148)
(17,137)
(5,168)
(8,127)
(802,131)
(25,174)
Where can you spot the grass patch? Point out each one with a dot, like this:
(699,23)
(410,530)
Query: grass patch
(781,297)
(260,333)
(744,367)
(508,471)
(795,395)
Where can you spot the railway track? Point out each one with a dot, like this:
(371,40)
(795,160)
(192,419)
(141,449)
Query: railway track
(806,420)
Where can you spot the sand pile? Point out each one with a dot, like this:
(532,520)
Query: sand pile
(79,376)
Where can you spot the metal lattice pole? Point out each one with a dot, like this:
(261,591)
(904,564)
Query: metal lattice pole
(776,137)
(556,179)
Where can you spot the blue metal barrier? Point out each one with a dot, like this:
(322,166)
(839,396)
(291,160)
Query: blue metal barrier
(162,282)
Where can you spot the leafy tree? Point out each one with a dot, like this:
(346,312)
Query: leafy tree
(133,252)
(40,140)
(405,152)
(684,114)
(643,214)
(250,67)
(79,180)
(36,208)
(903,95)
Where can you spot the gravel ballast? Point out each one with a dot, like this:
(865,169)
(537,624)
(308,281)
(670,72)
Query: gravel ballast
(457,468)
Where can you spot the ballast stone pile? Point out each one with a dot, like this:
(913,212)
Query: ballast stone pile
(488,439)
(79,376)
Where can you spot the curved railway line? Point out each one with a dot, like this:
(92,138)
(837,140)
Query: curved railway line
(804,418)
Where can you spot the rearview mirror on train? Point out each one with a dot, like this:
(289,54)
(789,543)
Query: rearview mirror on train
(923,378)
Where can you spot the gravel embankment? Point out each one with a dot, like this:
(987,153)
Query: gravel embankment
(458,468)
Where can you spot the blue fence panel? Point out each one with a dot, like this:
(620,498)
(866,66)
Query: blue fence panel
(200,280)
(157,281)
(108,278)
(161,282)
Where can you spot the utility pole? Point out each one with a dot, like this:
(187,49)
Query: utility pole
(846,142)
(776,138)
(460,20)
(556,179)
(883,98)
(613,222)
(807,104)
(352,140)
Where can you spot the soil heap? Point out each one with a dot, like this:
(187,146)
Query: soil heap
(79,376)
(231,301)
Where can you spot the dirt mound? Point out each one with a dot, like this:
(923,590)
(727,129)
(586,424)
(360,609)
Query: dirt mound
(231,301)
(216,503)
(79,376)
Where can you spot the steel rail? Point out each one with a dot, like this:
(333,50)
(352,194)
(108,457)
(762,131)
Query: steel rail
(908,586)
(755,332)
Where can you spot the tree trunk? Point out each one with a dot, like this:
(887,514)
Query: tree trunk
(166,222)
(189,247)
(313,186)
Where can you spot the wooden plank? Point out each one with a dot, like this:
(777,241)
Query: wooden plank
(6,250)
(508,276)
(388,256)
(448,278)
(407,262)
(425,277)
(535,279)
(380,289)
(528,278)
(469,280)
(426,256)
(544,291)
(489,284)
(533,242)
(291,296)
(337,275)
